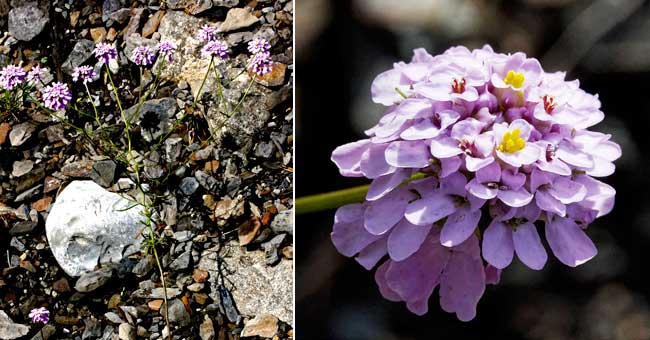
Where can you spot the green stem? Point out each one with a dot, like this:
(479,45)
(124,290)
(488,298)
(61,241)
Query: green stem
(205,77)
(90,99)
(330,200)
(117,96)
(250,85)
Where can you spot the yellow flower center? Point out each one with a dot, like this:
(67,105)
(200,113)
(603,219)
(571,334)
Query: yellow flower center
(512,142)
(515,79)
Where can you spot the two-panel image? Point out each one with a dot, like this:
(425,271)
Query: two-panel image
(324,169)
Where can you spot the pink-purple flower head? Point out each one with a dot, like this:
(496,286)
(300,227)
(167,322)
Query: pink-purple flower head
(105,52)
(36,75)
(11,76)
(56,96)
(207,33)
(215,48)
(84,73)
(40,314)
(261,63)
(258,45)
(167,49)
(143,56)
(496,139)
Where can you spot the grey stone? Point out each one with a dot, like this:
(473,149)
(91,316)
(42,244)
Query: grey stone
(256,287)
(145,265)
(189,185)
(208,182)
(113,317)
(177,313)
(9,329)
(206,330)
(23,227)
(126,332)
(264,326)
(271,249)
(159,293)
(264,149)
(283,222)
(237,18)
(182,262)
(225,3)
(81,52)
(28,194)
(86,221)
(92,330)
(20,133)
(193,7)
(173,148)
(27,21)
(155,116)
(103,172)
(22,167)
(90,281)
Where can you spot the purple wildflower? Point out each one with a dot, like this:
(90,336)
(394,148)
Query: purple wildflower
(85,73)
(258,45)
(215,48)
(36,75)
(494,136)
(11,76)
(105,52)
(167,49)
(143,55)
(260,63)
(56,96)
(40,315)
(207,33)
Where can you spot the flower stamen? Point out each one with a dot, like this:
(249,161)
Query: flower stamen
(512,142)
(514,79)
(549,103)
(458,85)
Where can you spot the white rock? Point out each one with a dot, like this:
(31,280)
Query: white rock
(9,329)
(87,223)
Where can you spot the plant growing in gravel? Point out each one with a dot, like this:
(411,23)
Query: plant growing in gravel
(40,315)
(476,152)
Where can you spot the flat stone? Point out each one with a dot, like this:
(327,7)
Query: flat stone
(87,222)
(9,329)
(27,21)
(78,169)
(103,172)
(98,34)
(42,204)
(23,227)
(237,18)
(61,285)
(177,313)
(193,7)
(21,133)
(256,288)
(126,332)
(155,116)
(155,304)
(264,326)
(152,23)
(22,167)
(189,185)
(283,222)
(4,131)
(80,53)
(275,77)
(90,281)
(92,330)
(206,330)
(28,194)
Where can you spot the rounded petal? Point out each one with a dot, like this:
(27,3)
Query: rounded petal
(384,184)
(555,166)
(408,154)
(459,226)
(549,203)
(347,157)
(432,207)
(424,129)
(481,190)
(445,147)
(371,254)
(438,92)
(515,198)
(573,156)
(498,248)
(373,163)
(414,108)
(348,235)
(569,242)
(384,289)
(601,168)
(405,239)
(567,191)
(449,166)
(528,155)
(381,215)
(474,164)
(524,128)
(383,88)
(528,246)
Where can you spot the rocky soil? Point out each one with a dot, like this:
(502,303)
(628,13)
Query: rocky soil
(221,185)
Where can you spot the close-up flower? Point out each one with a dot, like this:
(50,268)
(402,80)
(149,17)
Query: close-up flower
(56,96)
(105,52)
(215,48)
(258,45)
(479,157)
(167,49)
(84,73)
(207,33)
(40,314)
(143,55)
(260,63)
(11,76)
(36,75)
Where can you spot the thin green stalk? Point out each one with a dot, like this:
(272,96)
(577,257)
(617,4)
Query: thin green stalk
(90,99)
(250,85)
(117,96)
(330,200)
(198,94)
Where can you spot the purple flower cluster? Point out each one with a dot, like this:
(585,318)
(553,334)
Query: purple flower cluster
(85,73)
(472,134)
(11,76)
(215,48)
(56,96)
(207,33)
(258,45)
(105,52)
(143,55)
(261,63)
(41,315)
(36,75)
(167,49)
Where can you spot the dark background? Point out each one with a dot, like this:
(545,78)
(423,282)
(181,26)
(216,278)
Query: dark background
(342,45)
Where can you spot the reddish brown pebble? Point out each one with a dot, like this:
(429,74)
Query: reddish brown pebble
(200,275)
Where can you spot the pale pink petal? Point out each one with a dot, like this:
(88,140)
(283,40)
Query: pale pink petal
(384,184)
(567,191)
(373,163)
(459,226)
(433,206)
(424,129)
(549,203)
(347,157)
(405,239)
(528,246)
(480,190)
(381,215)
(408,154)
(498,247)
(445,147)
(569,242)
(515,198)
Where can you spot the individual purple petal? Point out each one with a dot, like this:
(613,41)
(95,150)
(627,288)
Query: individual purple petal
(567,191)
(371,254)
(474,164)
(373,163)
(498,247)
(492,275)
(489,174)
(549,203)
(528,246)
(424,129)
(481,190)
(381,215)
(515,198)
(349,235)
(459,226)
(384,88)
(569,242)
(384,289)
(463,281)
(348,157)
(432,207)
(600,196)
(405,239)
(573,156)
(384,184)
(449,166)
(408,154)
(445,147)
